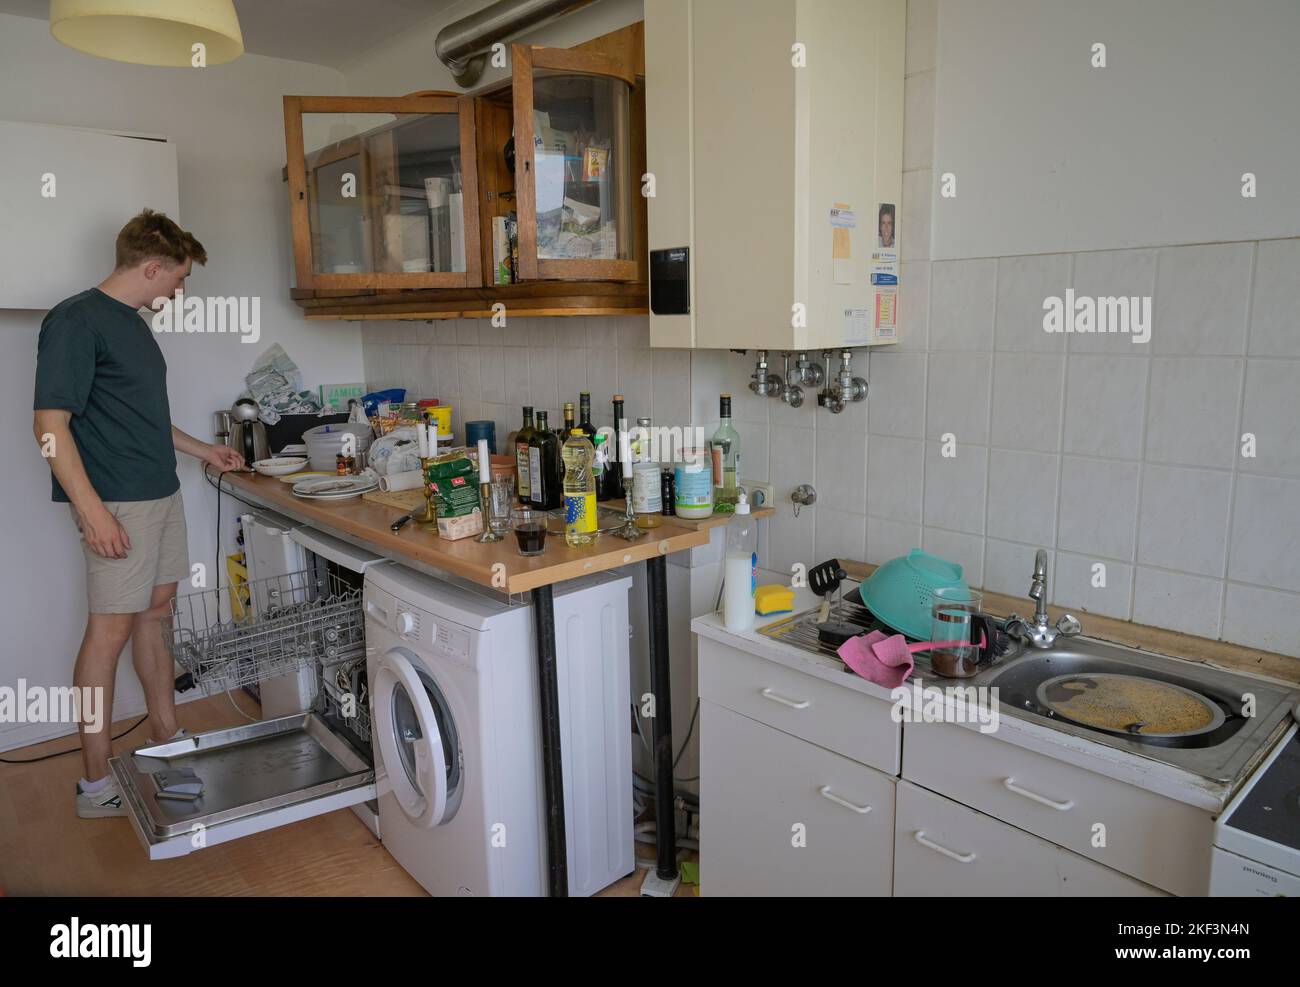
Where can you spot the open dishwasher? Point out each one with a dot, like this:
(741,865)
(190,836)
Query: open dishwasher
(297,628)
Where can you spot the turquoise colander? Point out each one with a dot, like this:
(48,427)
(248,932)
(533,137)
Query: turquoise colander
(899,592)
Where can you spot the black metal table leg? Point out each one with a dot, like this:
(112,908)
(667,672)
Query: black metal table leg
(552,765)
(662,724)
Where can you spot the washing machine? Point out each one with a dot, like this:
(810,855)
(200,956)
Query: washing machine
(457,735)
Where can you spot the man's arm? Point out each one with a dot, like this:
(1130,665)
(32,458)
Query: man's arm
(222,457)
(102,532)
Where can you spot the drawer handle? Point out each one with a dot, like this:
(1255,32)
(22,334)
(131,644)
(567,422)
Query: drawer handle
(826,793)
(792,703)
(1010,785)
(963,858)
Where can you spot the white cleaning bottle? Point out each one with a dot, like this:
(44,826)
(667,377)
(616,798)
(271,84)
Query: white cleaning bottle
(740,573)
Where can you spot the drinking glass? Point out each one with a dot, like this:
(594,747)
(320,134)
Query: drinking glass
(952,610)
(530,530)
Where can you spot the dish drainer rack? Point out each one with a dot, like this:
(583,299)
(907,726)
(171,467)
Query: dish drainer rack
(234,636)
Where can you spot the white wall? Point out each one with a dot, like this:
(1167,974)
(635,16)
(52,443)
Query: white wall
(227,122)
(1053,154)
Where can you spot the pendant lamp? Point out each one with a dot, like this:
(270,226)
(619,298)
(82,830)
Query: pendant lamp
(149,32)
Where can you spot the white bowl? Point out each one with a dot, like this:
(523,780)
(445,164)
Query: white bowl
(280,466)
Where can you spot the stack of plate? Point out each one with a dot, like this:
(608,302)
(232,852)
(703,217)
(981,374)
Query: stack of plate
(334,487)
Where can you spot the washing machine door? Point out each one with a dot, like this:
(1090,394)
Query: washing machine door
(417,739)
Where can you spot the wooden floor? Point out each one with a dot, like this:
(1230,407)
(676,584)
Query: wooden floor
(45,849)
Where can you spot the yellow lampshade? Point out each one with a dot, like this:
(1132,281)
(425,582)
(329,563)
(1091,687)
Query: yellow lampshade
(149,32)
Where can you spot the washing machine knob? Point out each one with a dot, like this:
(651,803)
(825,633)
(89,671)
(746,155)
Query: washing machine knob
(405,622)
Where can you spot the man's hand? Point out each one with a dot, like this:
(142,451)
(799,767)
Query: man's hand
(103,533)
(224,458)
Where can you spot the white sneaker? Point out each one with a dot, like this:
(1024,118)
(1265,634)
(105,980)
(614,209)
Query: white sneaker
(180,734)
(105,802)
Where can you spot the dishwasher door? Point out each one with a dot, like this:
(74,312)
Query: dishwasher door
(255,777)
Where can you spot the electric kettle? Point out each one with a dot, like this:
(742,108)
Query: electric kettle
(247,434)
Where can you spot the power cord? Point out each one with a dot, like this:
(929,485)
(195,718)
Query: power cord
(74,750)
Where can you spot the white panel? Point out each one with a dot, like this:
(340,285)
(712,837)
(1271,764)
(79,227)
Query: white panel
(61,243)
(1051,154)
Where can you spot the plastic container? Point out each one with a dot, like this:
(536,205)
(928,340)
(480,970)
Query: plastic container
(325,442)
(740,569)
(693,480)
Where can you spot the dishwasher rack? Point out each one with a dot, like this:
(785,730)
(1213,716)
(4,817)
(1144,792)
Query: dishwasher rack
(234,636)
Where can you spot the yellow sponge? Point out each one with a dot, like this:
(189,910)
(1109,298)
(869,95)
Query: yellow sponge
(773,598)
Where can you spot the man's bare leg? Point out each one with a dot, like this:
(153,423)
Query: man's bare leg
(153,663)
(106,635)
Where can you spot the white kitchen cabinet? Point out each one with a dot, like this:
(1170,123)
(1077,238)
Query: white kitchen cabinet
(1153,838)
(782,816)
(943,849)
(763,116)
(840,719)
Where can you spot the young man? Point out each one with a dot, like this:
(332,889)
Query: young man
(103,422)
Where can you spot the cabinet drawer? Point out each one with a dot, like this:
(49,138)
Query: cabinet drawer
(1150,837)
(942,848)
(840,719)
(781,816)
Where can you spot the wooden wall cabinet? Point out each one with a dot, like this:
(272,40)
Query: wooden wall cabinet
(393,198)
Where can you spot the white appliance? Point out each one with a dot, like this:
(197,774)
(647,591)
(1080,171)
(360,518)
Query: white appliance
(457,736)
(274,546)
(1257,838)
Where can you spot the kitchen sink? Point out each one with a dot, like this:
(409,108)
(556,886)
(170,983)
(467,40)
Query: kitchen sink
(1243,713)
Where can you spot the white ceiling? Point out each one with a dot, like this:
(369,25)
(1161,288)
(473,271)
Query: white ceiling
(327,32)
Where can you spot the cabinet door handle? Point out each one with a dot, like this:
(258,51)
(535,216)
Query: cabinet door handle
(826,793)
(1010,785)
(792,703)
(964,858)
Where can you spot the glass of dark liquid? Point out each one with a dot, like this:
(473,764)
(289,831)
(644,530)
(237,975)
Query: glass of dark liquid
(530,530)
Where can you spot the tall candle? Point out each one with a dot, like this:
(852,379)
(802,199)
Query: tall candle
(484,464)
(625,453)
(422,440)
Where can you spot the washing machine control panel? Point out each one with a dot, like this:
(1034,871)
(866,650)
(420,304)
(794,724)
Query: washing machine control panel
(452,643)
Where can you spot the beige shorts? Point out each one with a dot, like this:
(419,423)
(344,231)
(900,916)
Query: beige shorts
(159,554)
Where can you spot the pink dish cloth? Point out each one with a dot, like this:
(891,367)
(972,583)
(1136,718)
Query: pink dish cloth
(888,666)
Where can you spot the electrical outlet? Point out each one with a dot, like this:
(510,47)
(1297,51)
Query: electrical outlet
(760,494)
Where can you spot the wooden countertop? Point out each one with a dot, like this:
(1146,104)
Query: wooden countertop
(498,564)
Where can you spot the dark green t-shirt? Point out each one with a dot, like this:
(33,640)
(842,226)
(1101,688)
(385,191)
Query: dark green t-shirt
(97,358)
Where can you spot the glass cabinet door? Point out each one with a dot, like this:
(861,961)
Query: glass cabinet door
(383,191)
(574,172)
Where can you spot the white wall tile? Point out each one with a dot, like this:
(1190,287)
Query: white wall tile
(889,539)
(1272,414)
(840,535)
(636,383)
(957,397)
(1022,496)
(895,469)
(1098,507)
(1111,273)
(896,394)
(913,308)
(793,539)
(1265,545)
(543,383)
(515,331)
(515,367)
(1192,417)
(918,121)
(571,332)
(1200,303)
(1009,566)
(492,374)
(446,368)
(1023,284)
(1275,308)
(1105,405)
(1184,520)
(1262,618)
(962,294)
(467,370)
(922,34)
(602,381)
(602,332)
(1177,601)
(966,550)
(793,453)
(540,331)
(446,332)
(1073,586)
(754,451)
(710,376)
(955,488)
(842,471)
(672,386)
(570,374)
(1027,401)
(914,224)
(633,331)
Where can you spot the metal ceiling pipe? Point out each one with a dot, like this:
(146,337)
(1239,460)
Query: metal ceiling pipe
(463,45)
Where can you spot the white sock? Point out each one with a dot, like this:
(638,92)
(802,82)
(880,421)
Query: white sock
(91,787)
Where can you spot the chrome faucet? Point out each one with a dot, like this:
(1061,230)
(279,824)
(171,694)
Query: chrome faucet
(1040,633)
